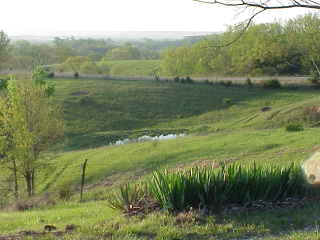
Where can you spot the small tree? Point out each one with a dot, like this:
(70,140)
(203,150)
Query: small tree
(29,124)
(4,46)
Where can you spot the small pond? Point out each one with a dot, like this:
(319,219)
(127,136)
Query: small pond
(146,138)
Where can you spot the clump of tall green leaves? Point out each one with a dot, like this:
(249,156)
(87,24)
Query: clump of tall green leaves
(212,188)
(126,196)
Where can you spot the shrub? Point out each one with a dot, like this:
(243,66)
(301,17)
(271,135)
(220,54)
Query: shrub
(50,75)
(65,192)
(227,101)
(272,84)
(294,127)
(3,84)
(189,80)
(76,75)
(208,82)
(249,82)
(314,78)
(226,83)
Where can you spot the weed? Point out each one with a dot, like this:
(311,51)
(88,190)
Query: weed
(65,192)
(294,127)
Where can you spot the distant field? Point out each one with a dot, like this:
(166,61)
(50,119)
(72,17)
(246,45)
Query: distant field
(134,68)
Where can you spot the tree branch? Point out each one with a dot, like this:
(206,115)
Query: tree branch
(260,6)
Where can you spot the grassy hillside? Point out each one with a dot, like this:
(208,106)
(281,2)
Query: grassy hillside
(224,124)
(102,111)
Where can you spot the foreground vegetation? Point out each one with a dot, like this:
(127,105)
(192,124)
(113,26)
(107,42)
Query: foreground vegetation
(225,124)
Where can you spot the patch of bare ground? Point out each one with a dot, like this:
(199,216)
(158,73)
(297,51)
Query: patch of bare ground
(35,234)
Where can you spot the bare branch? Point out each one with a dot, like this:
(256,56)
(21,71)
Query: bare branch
(260,6)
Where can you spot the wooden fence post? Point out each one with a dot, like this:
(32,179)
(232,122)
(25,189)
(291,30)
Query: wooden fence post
(84,166)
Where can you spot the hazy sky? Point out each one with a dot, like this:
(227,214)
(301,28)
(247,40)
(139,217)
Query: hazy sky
(43,16)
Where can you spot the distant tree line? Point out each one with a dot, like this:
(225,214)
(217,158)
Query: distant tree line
(288,48)
(26,55)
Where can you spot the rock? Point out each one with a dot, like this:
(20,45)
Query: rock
(311,168)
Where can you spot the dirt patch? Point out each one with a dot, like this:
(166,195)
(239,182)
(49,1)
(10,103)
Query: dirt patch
(34,234)
(80,93)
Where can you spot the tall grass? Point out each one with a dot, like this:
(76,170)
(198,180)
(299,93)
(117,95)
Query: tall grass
(212,188)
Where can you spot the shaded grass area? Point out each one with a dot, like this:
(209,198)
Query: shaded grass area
(108,110)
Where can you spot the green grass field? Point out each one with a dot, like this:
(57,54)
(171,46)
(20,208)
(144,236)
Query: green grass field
(134,68)
(223,124)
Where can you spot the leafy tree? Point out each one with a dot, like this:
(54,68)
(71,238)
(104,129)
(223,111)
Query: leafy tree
(127,52)
(256,7)
(4,46)
(29,124)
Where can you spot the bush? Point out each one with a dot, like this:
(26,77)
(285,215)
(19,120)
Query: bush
(249,82)
(226,83)
(176,79)
(314,78)
(50,75)
(294,127)
(272,84)
(3,84)
(189,80)
(65,192)
(76,75)
(227,101)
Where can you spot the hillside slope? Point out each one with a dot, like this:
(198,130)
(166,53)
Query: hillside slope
(222,125)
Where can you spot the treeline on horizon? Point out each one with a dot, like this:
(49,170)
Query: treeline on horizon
(26,55)
(280,48)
